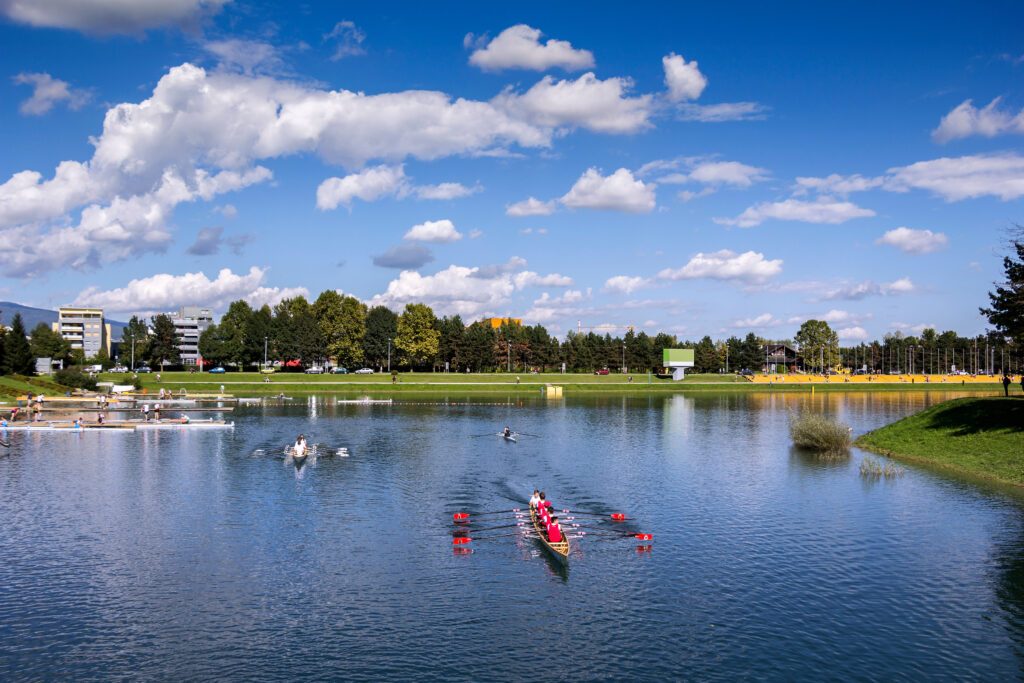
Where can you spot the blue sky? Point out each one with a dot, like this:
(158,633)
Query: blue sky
(692,169)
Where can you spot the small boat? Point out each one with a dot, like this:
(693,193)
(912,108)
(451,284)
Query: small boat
(509,437)
(191,424)
(299,459)
(560,550)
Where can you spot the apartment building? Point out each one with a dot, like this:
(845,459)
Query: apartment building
(189,323)
(84,329)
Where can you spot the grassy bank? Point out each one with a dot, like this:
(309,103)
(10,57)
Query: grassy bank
(251,383)
(12,386)
(978,437)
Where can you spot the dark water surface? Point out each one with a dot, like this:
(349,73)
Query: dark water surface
(202,554)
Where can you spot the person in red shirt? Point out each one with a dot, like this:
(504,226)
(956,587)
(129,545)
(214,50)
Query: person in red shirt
(554,531)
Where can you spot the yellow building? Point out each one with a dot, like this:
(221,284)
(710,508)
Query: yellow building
(498,322)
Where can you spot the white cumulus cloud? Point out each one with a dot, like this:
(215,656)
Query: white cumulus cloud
(165,292)
(956,178)
(368,185)
(626,284)
(750,266)
(587,102)
(519,47)
(914,241)
(434,231)
(760,321)
(824,210)
(853,333)
(836,184)
(530,207)
(966,120)
(683,79)
(862,290)
(619,191)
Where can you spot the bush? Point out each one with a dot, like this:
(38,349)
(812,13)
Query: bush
(819,433)
(75,378)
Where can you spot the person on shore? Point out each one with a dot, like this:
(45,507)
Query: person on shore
(145,412)
(77,424)
(534,499)
(156,411)
(554,531)
(100,418)
(1006,384)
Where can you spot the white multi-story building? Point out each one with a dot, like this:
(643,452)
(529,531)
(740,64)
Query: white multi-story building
(84,329)
(189,323)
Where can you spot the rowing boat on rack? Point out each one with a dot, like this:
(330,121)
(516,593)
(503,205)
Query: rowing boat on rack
(560,550)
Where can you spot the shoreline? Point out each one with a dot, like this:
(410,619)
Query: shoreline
(980,438)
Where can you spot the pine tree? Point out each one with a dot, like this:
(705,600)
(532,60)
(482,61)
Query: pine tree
(1006,312)
(18,358)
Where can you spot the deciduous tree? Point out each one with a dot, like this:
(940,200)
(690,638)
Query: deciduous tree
(417,338)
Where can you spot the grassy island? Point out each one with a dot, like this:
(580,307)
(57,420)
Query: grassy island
(979,437)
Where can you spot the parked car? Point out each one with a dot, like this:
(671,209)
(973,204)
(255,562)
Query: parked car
(314,370)
(217,370)
(119,368)
(364,371)
(747,372)
(602,371)
(143,368)
(340,371)
(268,370)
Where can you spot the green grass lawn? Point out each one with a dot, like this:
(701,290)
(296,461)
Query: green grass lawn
(982,437)
(12,386)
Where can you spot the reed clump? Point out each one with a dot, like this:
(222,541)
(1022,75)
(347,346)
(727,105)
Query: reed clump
(820,433)
(872,468)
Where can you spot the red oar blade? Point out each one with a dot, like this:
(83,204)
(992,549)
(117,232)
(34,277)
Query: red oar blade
(462,540)
(643,537)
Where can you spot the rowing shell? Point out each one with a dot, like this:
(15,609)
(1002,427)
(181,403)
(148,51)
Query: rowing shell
(560,550)
(509,437)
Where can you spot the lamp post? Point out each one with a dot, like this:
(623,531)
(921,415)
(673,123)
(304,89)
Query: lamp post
(265,353)
(623,356)
(508,351)
(133,350)
(389,355)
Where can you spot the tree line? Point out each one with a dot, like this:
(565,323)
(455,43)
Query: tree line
(343,330)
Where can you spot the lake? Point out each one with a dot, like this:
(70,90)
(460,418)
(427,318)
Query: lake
(207,554)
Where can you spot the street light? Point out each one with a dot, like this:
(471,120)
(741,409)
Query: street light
(389,355)
(623,356)
(265,353)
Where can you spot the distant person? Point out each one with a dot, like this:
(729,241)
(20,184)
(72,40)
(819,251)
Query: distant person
(535,498)
(99,418)
(156,411)
(299,448)
(184,419)
(1006,384)
(507,432)
(77,424)
(145,412)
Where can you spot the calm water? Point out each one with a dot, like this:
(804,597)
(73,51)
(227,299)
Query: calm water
(199,555)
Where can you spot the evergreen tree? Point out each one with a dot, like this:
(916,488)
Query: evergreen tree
(163,344)
(18,358)
(135,340)
(451,342)
(381,325)
(3,336)
(705,358)
(46,343)
(1006,304)
(211,346)
(478,342)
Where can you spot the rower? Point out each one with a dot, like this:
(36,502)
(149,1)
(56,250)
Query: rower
(543,504)
(299,448)
(507,433)
(554,531)
(184,419)
(534,499)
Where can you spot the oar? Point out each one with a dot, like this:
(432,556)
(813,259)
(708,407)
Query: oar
(614,516)
(528,434)
(462,540)
(617,534)
(465,530)
(463,517)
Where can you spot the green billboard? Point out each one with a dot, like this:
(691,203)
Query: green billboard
(677,357)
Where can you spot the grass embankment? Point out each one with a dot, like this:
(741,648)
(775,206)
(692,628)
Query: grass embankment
(251,383)
(979,437)
(12,386)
